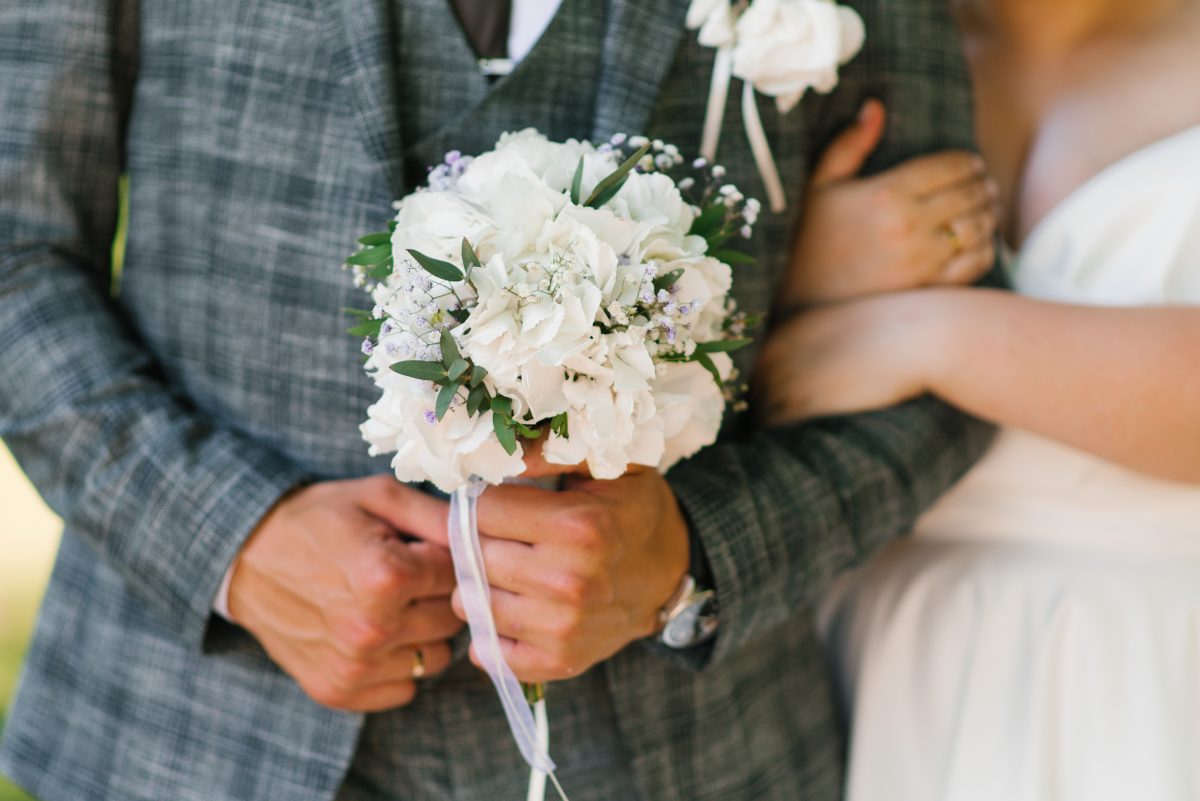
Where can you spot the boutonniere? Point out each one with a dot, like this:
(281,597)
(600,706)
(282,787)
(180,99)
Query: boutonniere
(781,48)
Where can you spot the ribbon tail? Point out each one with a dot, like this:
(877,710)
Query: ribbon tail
(761,149)
(718,95)
(472,582)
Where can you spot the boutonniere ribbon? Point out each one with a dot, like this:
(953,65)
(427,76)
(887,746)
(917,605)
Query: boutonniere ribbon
(781,48)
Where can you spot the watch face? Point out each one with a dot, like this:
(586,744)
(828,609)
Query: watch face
(680,632)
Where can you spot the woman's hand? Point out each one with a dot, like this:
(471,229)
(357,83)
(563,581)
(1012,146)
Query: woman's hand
(853,357)
(930,221)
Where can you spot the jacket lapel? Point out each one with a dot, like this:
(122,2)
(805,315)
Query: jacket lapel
(362,31)
(639,47)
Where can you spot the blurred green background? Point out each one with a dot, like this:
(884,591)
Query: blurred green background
(28,539)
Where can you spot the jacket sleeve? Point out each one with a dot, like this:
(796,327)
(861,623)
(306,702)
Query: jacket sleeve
(779,513)
(163,494)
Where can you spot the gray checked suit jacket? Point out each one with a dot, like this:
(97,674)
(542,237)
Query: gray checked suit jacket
(260,137)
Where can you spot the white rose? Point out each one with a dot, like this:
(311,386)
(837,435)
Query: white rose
(785,47)
(715,19)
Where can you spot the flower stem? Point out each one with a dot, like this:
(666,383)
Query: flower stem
(534,692)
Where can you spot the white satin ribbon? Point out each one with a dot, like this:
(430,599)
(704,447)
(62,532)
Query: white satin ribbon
(718,97)
(532,736)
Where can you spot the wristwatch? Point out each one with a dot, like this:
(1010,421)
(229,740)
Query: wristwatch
(689,618)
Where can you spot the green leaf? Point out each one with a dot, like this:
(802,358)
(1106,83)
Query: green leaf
(476,399)
(528,432)
(369,257)
(502,405)
(706,361)
(449,348)
(604,190)
(426,371)
(559,425)
(445,398)
(456,370)
(391,226)
(731,256)
(577,183)
(470,260)
(367,328)
(361,314)
(610,193)
(503,426)
(436,267)
(667,280)
(722,345)
(710,221)
(477,375)
(382,270)
(371,240)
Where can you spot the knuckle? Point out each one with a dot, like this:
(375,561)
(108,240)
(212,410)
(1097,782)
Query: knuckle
(327,694)
(383,579)
(347,674)
(584,526)
(572,586)
(361,634)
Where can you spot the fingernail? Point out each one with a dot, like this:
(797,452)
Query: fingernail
(979,164)
(862,112)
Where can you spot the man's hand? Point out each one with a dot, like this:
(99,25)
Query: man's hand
(928,222)
(339,600)
(579,574)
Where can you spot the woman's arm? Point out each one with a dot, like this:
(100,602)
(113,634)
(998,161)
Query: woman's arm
(1122,383)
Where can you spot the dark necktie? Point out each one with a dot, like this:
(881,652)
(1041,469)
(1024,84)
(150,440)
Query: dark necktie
(486,24)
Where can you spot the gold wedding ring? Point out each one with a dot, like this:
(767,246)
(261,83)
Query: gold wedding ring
(955,239)
(418,665)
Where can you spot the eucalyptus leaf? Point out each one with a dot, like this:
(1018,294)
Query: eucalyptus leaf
(503,426)
(722,345)
(371,240)
(367,328)
(577,183)
(459,367)
(559,425)
(460,315)
(445,398)
(470,259)
(426,371)
(502,405)
(449,348)
(369,257)
(608,194)
(618,176)
(382,270)
(731,256)
(710,221)
(477,375)
(706,361)
(436,267)
(475,399)
(528,432)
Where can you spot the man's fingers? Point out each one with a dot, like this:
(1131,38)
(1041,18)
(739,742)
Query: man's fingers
(849,151)
(536,465)
(407,510)
(374,699)
(925,175)
(426,621)
(434,570)
(521,513)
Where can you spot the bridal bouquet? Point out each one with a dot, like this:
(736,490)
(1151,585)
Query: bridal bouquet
(566,292)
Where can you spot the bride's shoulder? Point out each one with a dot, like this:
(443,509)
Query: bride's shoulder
(1114,106)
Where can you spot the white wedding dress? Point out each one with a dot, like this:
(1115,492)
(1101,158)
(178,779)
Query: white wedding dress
(1038,639)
